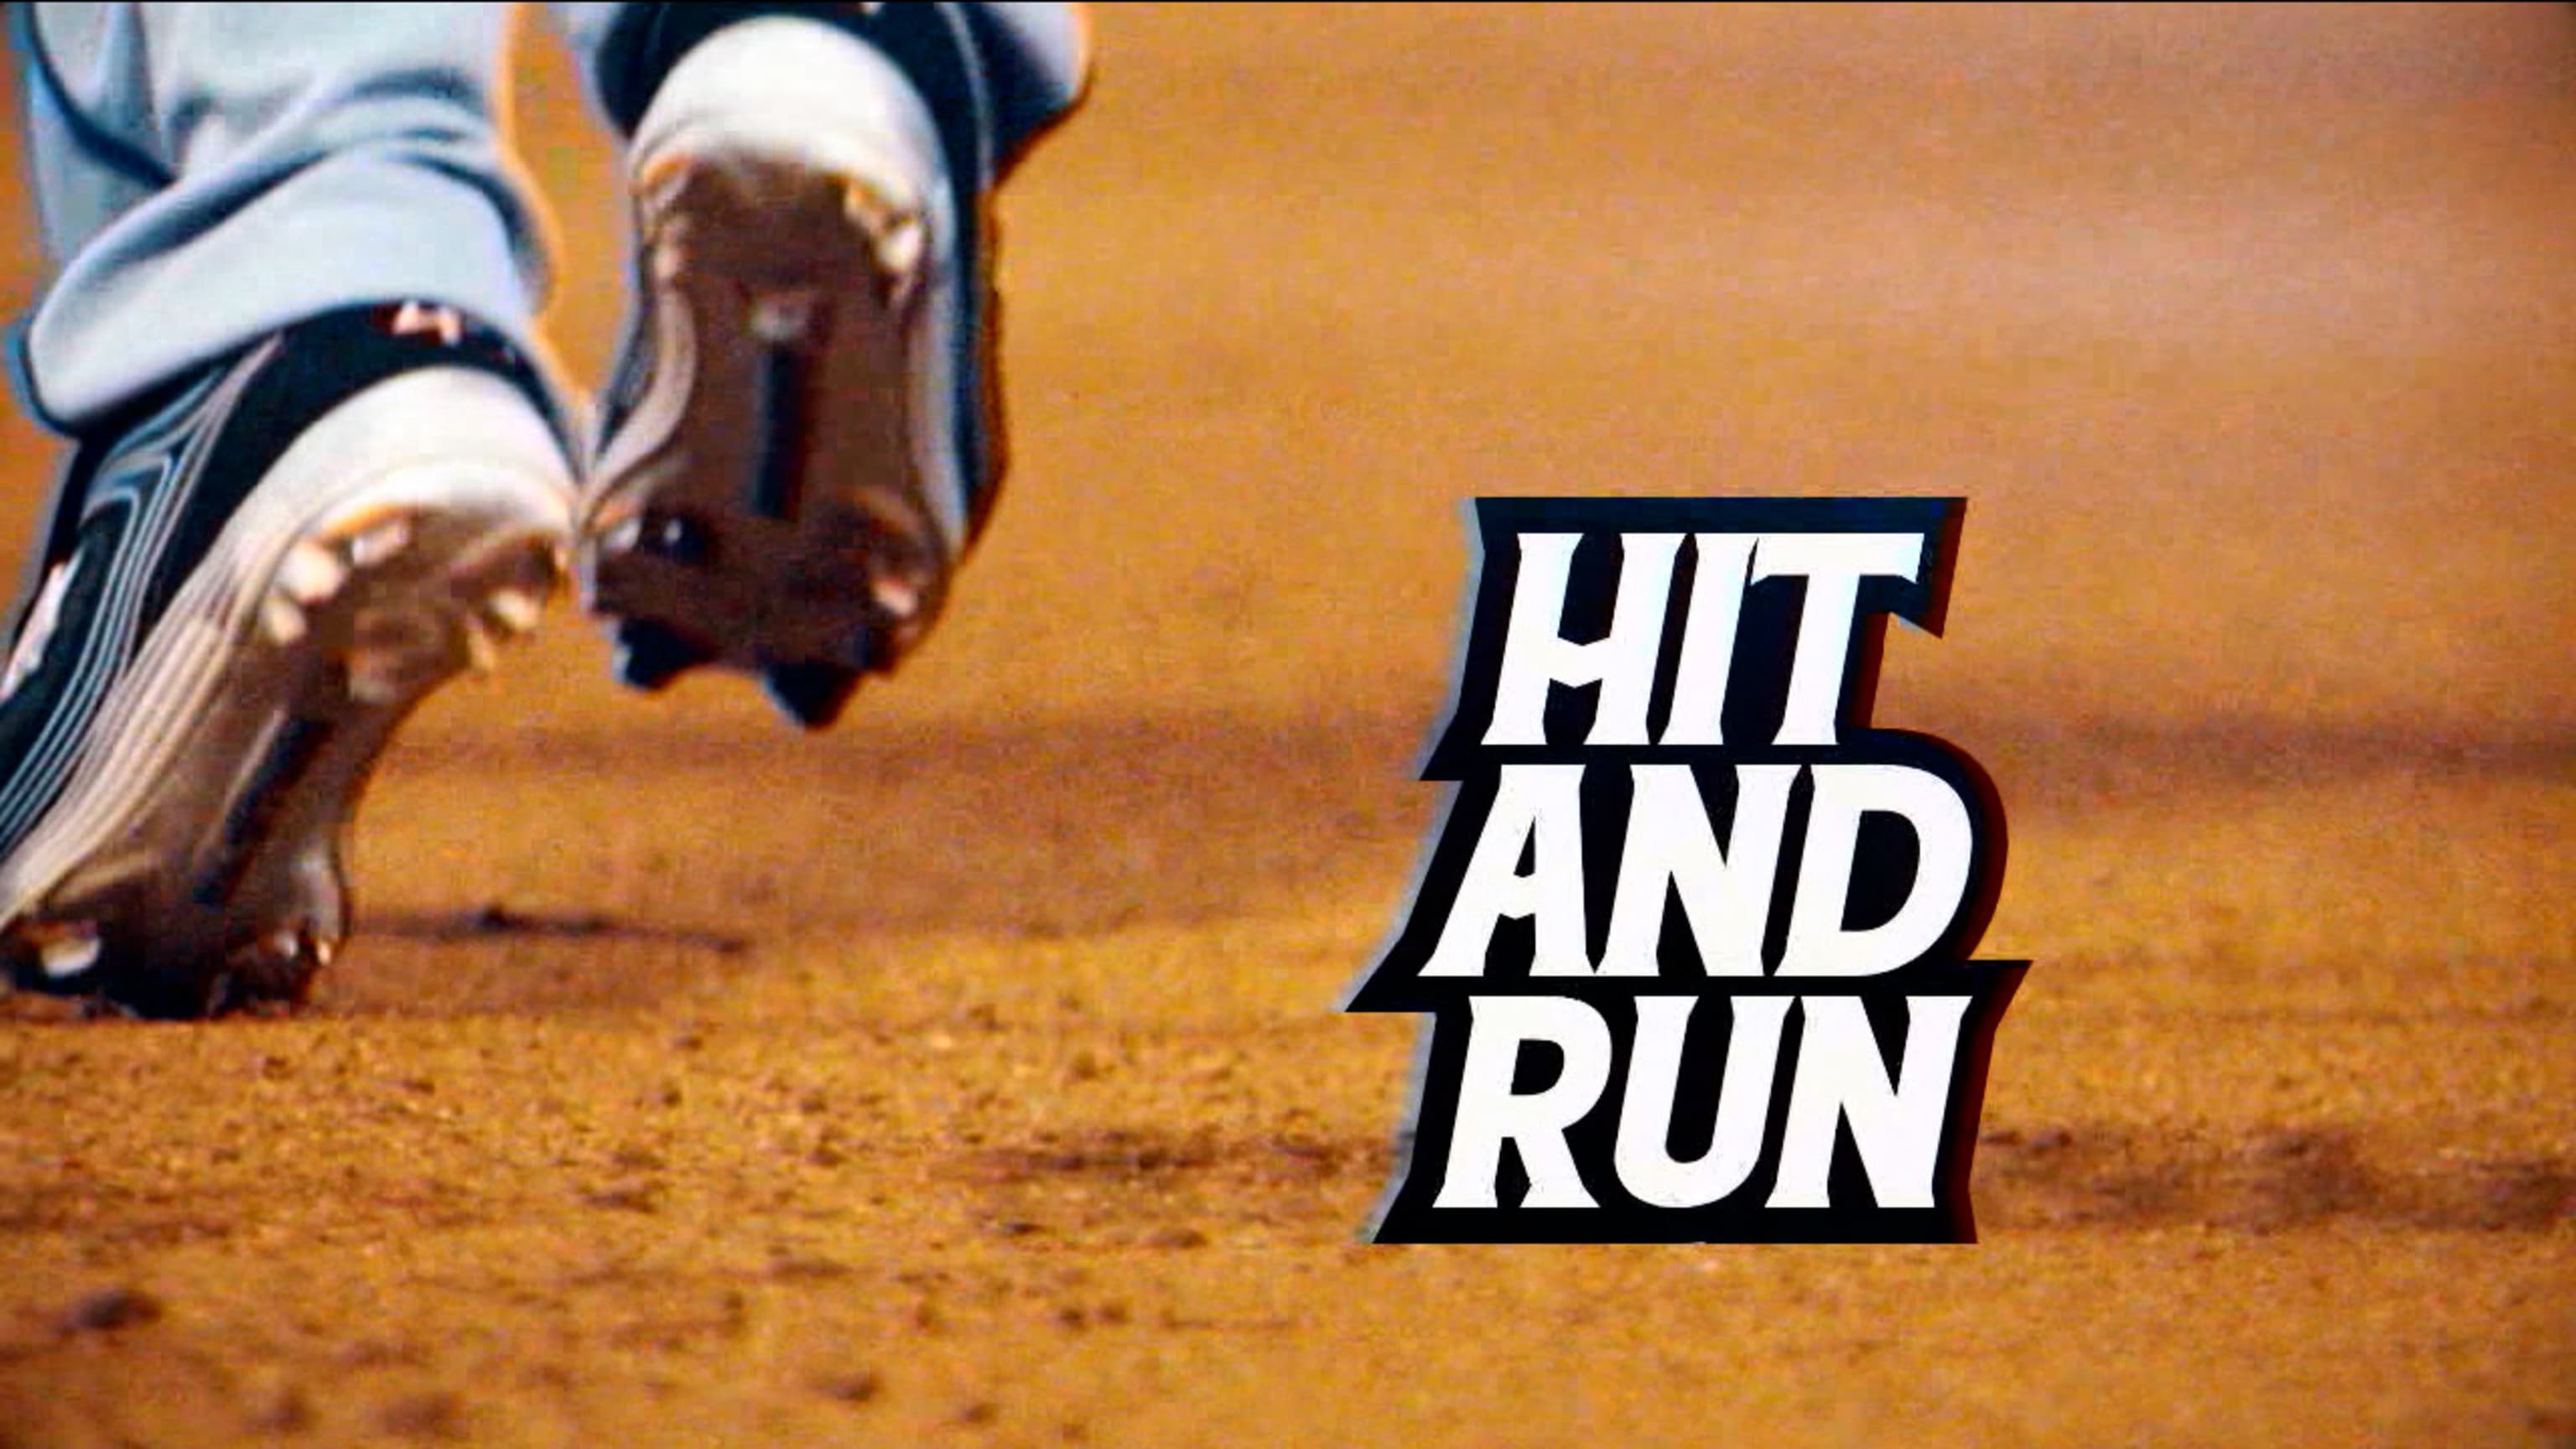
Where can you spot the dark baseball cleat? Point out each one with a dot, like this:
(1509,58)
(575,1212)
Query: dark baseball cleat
(800,443)
(249,582)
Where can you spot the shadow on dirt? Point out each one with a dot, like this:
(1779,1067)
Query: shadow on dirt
(497,921)
(1123,1183)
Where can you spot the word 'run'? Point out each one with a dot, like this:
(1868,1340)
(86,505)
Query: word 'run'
(1693,936)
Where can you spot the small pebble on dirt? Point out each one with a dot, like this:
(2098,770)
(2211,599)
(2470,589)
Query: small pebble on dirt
(803,1265)
(278,1407)
(437,1414)
(110,1309)
(634,1198)
(853,1388)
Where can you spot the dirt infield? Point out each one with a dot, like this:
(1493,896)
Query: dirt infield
(971,1075)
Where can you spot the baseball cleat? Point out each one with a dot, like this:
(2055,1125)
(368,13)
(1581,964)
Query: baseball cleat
(796,451)
(247,587)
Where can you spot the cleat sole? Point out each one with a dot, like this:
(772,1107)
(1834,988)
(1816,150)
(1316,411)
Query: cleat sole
(767,494)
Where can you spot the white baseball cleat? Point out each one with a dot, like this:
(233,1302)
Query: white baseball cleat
(802,438)
(251,579)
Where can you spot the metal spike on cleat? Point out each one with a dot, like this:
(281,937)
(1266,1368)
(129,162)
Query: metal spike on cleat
(277,967)
(70,955)
(51,956)
(311,573)
(812,694)
(482,654)
(516,610)
(651,655)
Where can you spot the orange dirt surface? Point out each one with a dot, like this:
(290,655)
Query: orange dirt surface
(972,1074)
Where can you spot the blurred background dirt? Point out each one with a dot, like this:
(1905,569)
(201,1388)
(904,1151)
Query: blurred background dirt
(972,1075)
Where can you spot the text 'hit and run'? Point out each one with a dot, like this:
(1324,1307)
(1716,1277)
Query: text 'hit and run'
(1694,935)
